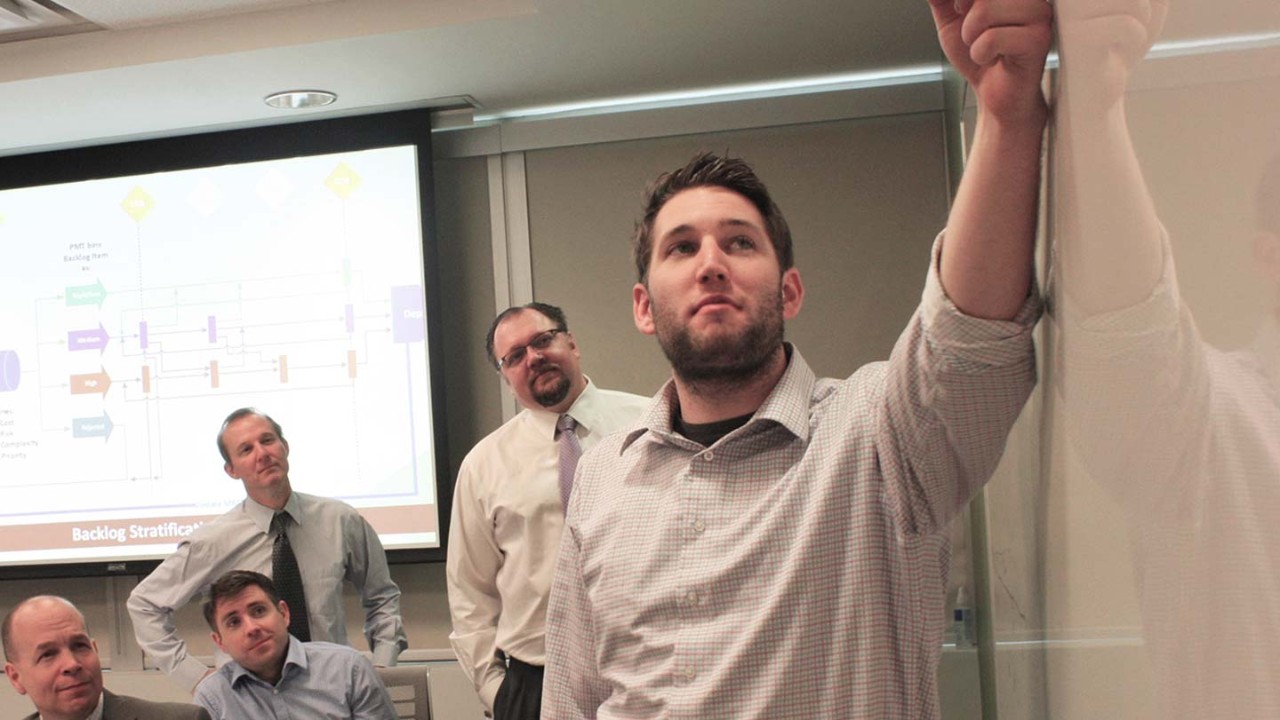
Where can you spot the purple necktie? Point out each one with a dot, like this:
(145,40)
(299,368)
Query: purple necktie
(570,451)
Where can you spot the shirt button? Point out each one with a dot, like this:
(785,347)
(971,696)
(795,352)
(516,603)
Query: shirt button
(699,526)
(689,673)
(708,456)
(691,598)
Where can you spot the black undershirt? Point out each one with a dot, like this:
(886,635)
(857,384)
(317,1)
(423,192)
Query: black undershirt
(708,434)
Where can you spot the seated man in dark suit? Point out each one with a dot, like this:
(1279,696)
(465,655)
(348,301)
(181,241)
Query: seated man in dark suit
(50,657)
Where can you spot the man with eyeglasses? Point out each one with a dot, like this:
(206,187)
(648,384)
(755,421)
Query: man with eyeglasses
(508,504)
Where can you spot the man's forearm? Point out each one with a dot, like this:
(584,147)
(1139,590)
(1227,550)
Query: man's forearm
(155,633)
(1000,47)
(1113,250)
(986,265)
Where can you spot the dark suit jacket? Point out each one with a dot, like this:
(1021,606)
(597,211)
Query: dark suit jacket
(123,707)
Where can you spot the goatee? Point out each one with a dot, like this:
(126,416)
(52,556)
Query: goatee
(722,359)
(552,395)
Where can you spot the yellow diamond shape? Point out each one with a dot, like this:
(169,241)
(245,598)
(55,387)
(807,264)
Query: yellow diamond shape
(343,180)
(138,203)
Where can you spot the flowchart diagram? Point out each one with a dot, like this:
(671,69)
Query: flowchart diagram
(140,311)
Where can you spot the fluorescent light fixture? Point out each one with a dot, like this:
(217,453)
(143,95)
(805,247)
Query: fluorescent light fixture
(835,83)
(726,93)
(1204,46)
(300,99)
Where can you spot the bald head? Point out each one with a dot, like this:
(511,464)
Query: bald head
(51,659)
(32,607)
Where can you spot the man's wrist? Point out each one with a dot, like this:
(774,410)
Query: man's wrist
(190,672)
(1021,125)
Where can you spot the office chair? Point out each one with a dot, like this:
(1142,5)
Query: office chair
(409,690)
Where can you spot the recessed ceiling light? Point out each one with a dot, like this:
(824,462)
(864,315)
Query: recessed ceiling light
(300,99)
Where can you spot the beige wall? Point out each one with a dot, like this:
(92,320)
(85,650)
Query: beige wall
(864,199)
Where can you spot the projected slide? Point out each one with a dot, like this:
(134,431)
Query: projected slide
(139,311)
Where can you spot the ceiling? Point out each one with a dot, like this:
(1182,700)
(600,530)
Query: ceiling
(76,72)
(90,71)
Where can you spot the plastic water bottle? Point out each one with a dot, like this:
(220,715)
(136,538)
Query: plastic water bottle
(963,631)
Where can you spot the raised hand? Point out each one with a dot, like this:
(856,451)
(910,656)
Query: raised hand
(1101,41)
(1000,47)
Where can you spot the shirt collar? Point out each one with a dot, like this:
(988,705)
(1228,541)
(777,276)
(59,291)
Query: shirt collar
(586,411)
(295,657)
(95,715)
(787,404)
(261,515)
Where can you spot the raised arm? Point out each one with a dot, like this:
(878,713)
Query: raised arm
(1135,381)
(1000,47)
(1111,239)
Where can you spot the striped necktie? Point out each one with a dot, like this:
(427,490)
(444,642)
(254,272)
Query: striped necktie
(570,451)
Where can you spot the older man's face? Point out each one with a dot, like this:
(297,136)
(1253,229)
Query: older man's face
(55,662)
(259,457)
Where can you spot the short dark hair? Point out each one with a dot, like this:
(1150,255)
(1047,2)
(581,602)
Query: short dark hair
(710,170)
(233,583)
(236,415)
(6,628)
(550,312)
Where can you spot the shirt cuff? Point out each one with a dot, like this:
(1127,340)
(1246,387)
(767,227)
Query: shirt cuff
(490,691)
(189,673)
(1158,311)
(386,654)
(977,339)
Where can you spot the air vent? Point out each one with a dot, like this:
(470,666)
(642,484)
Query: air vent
(32,19)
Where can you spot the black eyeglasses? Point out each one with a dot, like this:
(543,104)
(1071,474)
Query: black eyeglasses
(541,341)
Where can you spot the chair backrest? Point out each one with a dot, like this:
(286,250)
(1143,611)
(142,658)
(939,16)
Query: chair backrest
(409,690)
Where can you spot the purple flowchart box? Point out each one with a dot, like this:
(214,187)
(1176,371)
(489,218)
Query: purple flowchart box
(408,315)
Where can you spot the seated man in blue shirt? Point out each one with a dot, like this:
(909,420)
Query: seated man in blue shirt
(274,675)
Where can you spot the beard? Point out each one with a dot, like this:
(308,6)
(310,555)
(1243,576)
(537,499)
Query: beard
(721,358)
(553,394)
